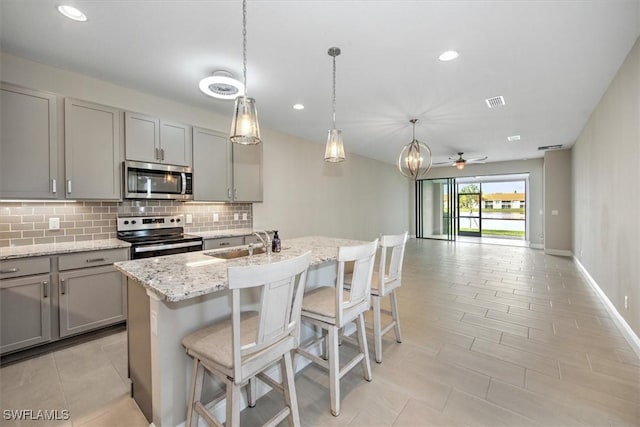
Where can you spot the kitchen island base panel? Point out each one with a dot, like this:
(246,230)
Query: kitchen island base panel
(158,364)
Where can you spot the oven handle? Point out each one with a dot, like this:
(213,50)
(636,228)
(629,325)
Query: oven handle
(141,249)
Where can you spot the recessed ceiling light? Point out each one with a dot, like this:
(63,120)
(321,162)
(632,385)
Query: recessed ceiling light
(513,138)
(222,85)
(72,13)
(448,55)
(298,107)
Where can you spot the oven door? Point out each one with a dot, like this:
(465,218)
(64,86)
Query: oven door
(156,181)
(161,249)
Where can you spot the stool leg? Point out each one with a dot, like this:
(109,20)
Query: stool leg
(197,377)
(395,315)
(290,397)
(377,327)
(251,393)
(334,371)
(233,404)
(362,341)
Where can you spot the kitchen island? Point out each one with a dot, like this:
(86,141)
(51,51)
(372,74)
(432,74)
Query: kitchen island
(172,296)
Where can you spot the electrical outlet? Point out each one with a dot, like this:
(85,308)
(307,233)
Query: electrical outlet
(189,219)
(235,217)
(244,216)
(54,223)
(216,217)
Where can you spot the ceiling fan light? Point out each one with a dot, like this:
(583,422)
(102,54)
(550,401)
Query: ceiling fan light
(459,164)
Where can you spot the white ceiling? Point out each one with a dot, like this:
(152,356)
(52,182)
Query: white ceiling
(551,60)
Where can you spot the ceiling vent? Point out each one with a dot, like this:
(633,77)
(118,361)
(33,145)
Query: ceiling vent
(496,101)
(550,147)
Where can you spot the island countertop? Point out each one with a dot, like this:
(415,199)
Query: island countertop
(182,276)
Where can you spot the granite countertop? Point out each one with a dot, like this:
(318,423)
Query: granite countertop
(60,248)
(182,276)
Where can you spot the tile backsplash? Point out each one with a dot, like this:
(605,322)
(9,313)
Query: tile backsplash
(27,223)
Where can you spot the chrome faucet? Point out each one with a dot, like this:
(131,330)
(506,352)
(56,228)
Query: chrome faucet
(267,244)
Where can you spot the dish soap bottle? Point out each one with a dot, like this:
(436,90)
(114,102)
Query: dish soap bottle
(275,243)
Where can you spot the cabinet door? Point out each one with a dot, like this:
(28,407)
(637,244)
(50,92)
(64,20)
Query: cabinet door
(91,298)
(175,144)
(92,151)
(25,312)
(223,242)
(28,144)
(142,137)
(211,166)
(247,173)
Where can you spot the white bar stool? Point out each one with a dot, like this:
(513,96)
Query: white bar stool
(331,308)
(238,349)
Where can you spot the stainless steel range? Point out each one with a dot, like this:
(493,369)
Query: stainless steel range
(152,236)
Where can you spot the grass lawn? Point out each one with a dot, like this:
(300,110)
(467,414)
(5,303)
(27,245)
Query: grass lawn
(505,233)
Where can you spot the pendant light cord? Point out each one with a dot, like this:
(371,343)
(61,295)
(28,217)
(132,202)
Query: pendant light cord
(244,44)
(334,92)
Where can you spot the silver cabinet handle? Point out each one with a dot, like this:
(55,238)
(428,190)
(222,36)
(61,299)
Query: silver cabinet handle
(235,194)
(54,188)
(68,186)
(229,193)
(95,260)
(9,270)
(157,155)
(63,287)
(224,244)
(45,289)
(162,154)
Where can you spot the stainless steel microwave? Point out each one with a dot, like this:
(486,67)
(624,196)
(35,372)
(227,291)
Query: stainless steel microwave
(157,181)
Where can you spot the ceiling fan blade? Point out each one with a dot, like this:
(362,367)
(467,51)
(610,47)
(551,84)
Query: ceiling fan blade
(441,163)
(477,160)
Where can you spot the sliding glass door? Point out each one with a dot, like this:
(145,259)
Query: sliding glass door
(436,209)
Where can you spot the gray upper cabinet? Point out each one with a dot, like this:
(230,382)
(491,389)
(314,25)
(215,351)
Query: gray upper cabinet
(212,180)
(148,139)
(93,151)
(28,144)
(247,173)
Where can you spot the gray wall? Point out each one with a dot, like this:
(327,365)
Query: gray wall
(557,202)
(536,187)
(303,195)
(606,202)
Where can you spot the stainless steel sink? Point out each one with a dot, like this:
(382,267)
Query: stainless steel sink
(236,253)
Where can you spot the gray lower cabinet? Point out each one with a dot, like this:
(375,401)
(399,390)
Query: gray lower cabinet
(223,242)
(29,145)
(25,312)
(25,303)
(91,297)
(93,151)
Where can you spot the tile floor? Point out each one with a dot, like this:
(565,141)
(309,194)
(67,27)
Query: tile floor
(493,335)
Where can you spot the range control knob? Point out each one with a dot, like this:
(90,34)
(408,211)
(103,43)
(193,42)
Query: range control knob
(126,222)
(177,219)
(172,220)
(133,222)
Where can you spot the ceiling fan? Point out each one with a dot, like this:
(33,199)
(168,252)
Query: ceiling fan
(460,162)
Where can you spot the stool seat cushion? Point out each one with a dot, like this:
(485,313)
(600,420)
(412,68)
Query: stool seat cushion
(215,343)
(322,301)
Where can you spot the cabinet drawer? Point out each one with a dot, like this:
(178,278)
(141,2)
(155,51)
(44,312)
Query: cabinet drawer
(23,267)
(92,258)
(225,242)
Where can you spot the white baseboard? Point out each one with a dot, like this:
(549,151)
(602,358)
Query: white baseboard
(620,322)
(536,245)
(558,252)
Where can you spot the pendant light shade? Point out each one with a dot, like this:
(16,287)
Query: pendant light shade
(245,128)
(414,160)
(334,151)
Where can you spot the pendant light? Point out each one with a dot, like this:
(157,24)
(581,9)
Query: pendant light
(414,160)
(245,128)
(334,151)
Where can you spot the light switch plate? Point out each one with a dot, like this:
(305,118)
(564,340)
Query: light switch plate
(54,223)
(244,216)
(235,217)
(554,212)
(216,217)
(189,219)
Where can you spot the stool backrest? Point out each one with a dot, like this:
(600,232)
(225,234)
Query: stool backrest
(390,273)
(279,307)
(359,295)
